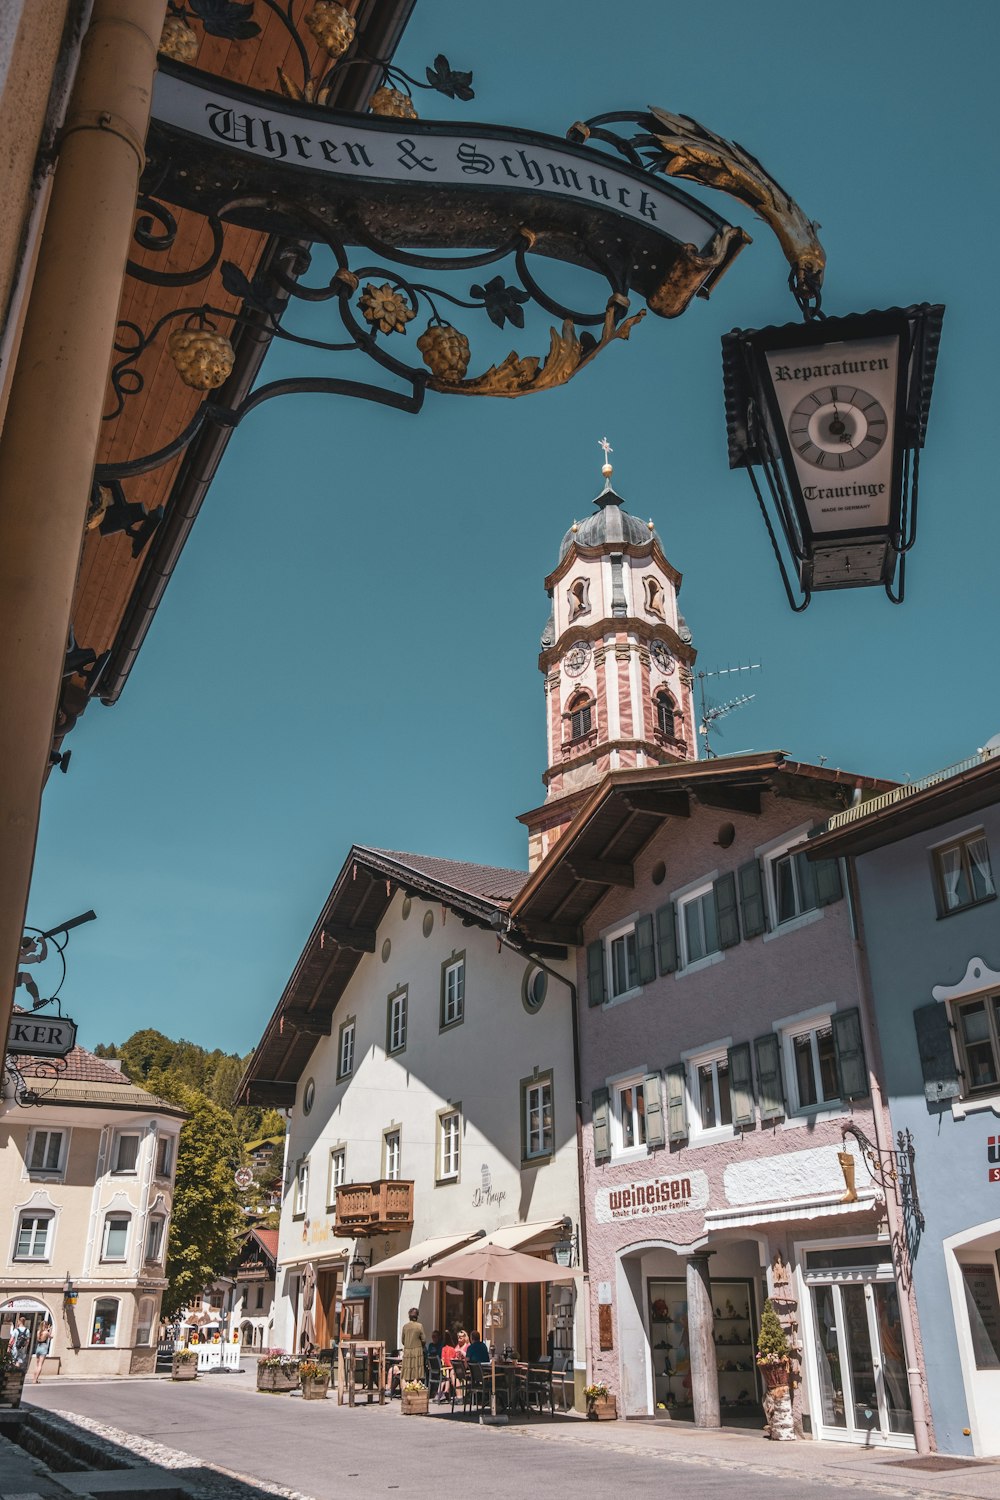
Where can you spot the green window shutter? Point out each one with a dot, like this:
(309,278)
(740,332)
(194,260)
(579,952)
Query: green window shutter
(937,1055)
(850,1049)
(767,1051)
(666,938)
(724,890)
(828,883)
(806,872)
(677,1121)
(653,1104)
(600,1105)
(645,949)
(595,972)
(741,1084)
(752,909)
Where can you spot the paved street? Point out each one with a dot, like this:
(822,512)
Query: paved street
(322,1451)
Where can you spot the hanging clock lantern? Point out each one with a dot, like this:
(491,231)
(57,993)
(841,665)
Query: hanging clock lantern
(834,413)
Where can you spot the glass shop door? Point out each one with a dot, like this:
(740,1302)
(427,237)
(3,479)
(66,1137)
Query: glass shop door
(860,1361)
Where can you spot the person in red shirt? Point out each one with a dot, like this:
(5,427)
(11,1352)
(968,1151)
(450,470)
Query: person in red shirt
(447,1378)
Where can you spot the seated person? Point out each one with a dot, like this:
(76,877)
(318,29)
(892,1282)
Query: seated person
(448,1352)
(477,1353)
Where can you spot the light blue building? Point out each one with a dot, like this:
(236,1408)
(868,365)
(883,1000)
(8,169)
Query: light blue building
(924,862)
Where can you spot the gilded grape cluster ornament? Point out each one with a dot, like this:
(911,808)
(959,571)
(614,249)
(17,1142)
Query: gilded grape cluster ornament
(204,358)
(445,351)
(393,103)
(333,26)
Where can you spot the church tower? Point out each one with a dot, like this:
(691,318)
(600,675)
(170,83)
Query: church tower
(617,661)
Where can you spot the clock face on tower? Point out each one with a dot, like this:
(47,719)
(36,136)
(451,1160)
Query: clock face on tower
(577,658)
(663,657)
(838,427)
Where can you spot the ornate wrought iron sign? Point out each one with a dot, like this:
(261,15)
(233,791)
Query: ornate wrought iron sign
(41,1036)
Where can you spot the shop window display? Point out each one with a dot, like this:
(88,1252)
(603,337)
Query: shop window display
(734,1324)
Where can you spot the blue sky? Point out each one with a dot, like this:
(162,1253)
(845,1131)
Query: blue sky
(348,649)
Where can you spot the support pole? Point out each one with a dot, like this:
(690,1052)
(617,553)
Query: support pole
(53,418)
(701,1342)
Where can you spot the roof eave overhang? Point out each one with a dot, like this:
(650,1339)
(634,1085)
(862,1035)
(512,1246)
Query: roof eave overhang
(970,792)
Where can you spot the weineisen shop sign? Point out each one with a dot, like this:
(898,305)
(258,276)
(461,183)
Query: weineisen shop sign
(654,1195)
(41,1036)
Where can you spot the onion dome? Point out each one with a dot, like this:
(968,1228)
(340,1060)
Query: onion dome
(611,523)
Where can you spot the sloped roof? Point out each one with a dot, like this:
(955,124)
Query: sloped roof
(81,1067)
(269,1240)
(491,881)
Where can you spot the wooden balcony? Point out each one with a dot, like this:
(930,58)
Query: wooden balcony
(373,1208)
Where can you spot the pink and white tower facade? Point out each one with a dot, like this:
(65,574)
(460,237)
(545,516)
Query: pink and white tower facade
(617,661)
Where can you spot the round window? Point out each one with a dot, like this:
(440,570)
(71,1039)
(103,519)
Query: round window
(659,872)
(428,923)
(407,906)
(533,988)
(308,1096)
(386,950)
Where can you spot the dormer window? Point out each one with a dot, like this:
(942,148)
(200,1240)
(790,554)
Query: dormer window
(579,597)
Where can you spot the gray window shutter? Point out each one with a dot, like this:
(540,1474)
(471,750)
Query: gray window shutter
(937,1055)
(666,938)
(752,909)
(600,1104)
(653,1103)
(741,1083)
(677,1121)
(767,1051)
(724,890)
(646,952)
(828,883)
(850,1049)
(595,972)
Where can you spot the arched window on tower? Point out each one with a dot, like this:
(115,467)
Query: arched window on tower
(580,713)
(666,714)
(579,597)
(654,597)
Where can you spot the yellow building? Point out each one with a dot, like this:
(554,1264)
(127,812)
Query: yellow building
(87,1162)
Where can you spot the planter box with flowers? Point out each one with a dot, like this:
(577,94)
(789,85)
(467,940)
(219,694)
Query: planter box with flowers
(314,1379)
(601,1405)
(277,1372)
(415,1398)
(184,1365)
(773,1363)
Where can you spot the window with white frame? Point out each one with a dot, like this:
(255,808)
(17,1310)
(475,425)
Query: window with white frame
(164,1155)
(453,990)
(338,1172)
(34,1236)
(623,961)
(977,1028)
(144,1321)
(105,1327)
(629,1114)
(698,925)
(392,1154)
(708,1087)
(963,872)
(126,1158)
(301,1199)
(115,1240)
(345,1050)
(154,1238)
(46,1151)
(396,1021)
(449,1145)
(811,1065)
(538,1126)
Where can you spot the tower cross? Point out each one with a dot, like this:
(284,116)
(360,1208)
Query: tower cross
(607,448)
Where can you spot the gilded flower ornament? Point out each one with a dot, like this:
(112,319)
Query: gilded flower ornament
(386,307)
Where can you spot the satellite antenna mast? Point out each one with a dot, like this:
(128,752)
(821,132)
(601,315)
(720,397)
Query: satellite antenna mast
(711,713)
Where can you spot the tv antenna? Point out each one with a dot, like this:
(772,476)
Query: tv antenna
(710,713)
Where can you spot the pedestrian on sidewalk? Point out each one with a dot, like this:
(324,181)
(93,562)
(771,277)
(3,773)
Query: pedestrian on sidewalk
(43,1343)
(413,1348)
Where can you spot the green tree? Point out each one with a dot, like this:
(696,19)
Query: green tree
(772,1341)
(206,1215)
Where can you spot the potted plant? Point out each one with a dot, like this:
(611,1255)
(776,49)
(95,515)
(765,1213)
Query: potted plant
(277,1371)
(184,1365)
(773,1363)
(11,1379)
(601,1405)
(314,1379)
(415,1398)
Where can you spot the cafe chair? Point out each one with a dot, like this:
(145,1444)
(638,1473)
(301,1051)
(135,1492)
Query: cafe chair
(433,1374)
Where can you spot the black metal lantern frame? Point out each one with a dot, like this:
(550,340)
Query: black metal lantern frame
(861,537)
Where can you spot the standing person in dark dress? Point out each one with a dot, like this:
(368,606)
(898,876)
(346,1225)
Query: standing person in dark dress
(413,1348)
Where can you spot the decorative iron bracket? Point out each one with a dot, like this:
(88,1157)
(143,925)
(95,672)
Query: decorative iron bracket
(893,1170)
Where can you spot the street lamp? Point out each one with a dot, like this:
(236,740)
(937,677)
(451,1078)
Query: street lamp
(358,1266)
(834,412)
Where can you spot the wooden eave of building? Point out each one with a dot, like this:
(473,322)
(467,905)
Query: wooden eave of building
(959,796)
(352,913)
(117,594)
(597,851)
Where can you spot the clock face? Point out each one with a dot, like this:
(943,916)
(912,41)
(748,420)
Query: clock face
(662,656)
(577,658)
(838,427)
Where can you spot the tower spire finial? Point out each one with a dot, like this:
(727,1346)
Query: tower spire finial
(606,468)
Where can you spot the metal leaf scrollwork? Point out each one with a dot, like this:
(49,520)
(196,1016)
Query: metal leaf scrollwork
(34,1087)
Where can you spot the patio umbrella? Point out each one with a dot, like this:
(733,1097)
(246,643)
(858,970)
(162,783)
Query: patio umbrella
(497,1263)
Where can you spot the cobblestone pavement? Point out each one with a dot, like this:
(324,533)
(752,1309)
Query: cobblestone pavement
(219,1428)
